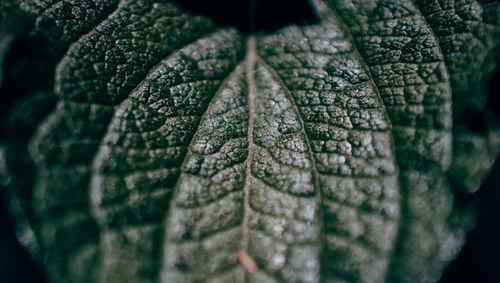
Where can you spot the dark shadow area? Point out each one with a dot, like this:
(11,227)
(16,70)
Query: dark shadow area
(27,67)
(15,263)
(479,260)
(269,15)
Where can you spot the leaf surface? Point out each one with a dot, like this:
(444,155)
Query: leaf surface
(330,152)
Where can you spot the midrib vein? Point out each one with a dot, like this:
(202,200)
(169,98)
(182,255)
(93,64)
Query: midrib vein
(250,59)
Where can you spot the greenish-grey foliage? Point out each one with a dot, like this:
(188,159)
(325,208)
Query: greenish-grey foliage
(329,152)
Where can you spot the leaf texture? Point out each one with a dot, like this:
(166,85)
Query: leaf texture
(328,153)
(149,136)
(350,140)
(407,65)
(99,70)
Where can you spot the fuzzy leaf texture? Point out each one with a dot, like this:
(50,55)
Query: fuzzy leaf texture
(145,143)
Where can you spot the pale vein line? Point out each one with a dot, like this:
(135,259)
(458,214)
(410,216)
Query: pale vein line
(320,198)
(250,59)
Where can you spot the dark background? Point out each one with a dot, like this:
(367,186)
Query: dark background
(478,261)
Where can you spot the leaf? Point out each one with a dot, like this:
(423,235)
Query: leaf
(329,152)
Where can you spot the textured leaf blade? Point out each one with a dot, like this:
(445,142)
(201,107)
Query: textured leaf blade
(101,68)
(150,133)
(350,140)
(408,68)
(330,153)
(268,227)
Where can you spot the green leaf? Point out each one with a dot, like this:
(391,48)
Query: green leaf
(330,152)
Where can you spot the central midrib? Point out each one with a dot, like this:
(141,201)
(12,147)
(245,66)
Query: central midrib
(250,59)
